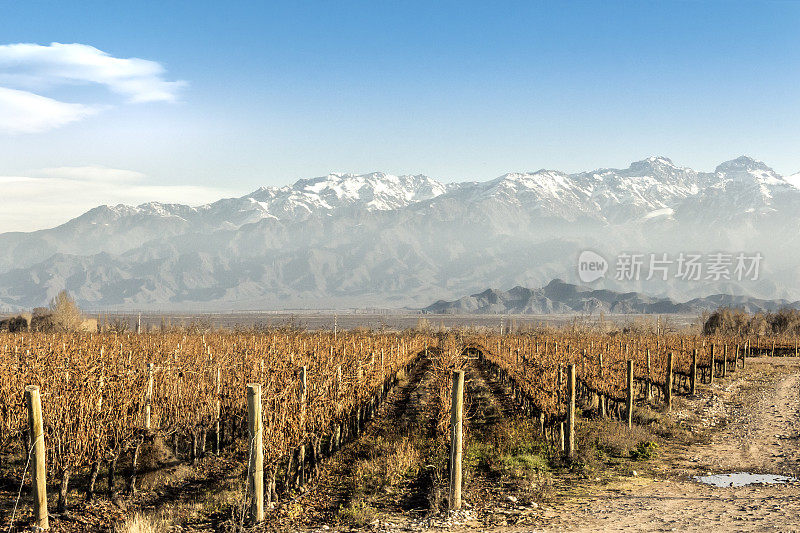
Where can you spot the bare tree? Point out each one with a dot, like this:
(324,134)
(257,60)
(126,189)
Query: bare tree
(64,313)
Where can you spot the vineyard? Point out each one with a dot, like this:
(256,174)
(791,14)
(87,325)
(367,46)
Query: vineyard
(105,396)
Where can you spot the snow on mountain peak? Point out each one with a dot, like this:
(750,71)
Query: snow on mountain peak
(742,163)
(750,172)
(793,180)
(656,161)
(652,185)
(375,191)
(658,167)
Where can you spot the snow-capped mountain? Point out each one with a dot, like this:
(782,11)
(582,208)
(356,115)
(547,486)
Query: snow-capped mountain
(370,192)
(382,240)
(742,188)
(117,229)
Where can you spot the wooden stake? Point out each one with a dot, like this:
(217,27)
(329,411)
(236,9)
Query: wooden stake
(648,384)
(693,374)
(39,475)
(629,412)
(217,412)
(668,385)
(456,434)
(303,394)
(745,350)
(713,364)
(149,397)
(724,360)
(571,411)
(255,471)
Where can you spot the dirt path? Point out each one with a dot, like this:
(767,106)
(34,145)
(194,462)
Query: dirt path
(345,482)
(758,411)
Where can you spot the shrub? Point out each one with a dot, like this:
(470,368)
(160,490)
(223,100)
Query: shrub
(726,321)
(15,324)
(644,450)
(356,513)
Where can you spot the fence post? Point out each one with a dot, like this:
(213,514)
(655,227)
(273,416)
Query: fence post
(630,393)
(745,350)
(649,382)
(668,385)
(560,399)
(303,393)
(149,397)
(255,471)
(713,364)
(724,360)
(693,373)
(39,474)
(456,425)
(571,411)
(601,398)
(218,413)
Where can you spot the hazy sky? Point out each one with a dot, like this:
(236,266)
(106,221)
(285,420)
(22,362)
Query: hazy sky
(189,101)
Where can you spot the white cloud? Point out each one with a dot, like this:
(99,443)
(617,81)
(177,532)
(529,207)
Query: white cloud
(24,112)
(32,67)
(90,173)
(35,66)
(60,194)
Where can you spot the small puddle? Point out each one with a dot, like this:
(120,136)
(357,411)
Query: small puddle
(741,479)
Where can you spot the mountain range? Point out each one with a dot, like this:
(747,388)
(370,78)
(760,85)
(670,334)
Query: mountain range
(378,240)
(558,297)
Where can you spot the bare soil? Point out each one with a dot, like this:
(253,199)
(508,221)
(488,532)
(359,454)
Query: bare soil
(746,422)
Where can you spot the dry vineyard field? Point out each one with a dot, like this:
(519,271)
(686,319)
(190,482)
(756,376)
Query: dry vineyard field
(293,430)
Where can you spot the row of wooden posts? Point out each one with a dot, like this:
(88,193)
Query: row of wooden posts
(256,488)
(567,428)
(255,426)
(577,387)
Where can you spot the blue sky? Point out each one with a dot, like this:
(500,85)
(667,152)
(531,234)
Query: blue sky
(234,95)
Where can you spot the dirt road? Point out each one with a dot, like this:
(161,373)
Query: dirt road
(751,421)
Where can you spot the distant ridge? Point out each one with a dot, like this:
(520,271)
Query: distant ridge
(559,297)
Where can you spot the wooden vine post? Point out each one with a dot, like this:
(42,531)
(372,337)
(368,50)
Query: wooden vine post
(629,413)
(218,412)
(711,372)
(571,411)
(747,348)
(724,360)
(693,373)
(560,388)
(649,381)
(303,394)
(668,384)
(149,398)
(456,433)
(255,470)
(39,475)
(601,401)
